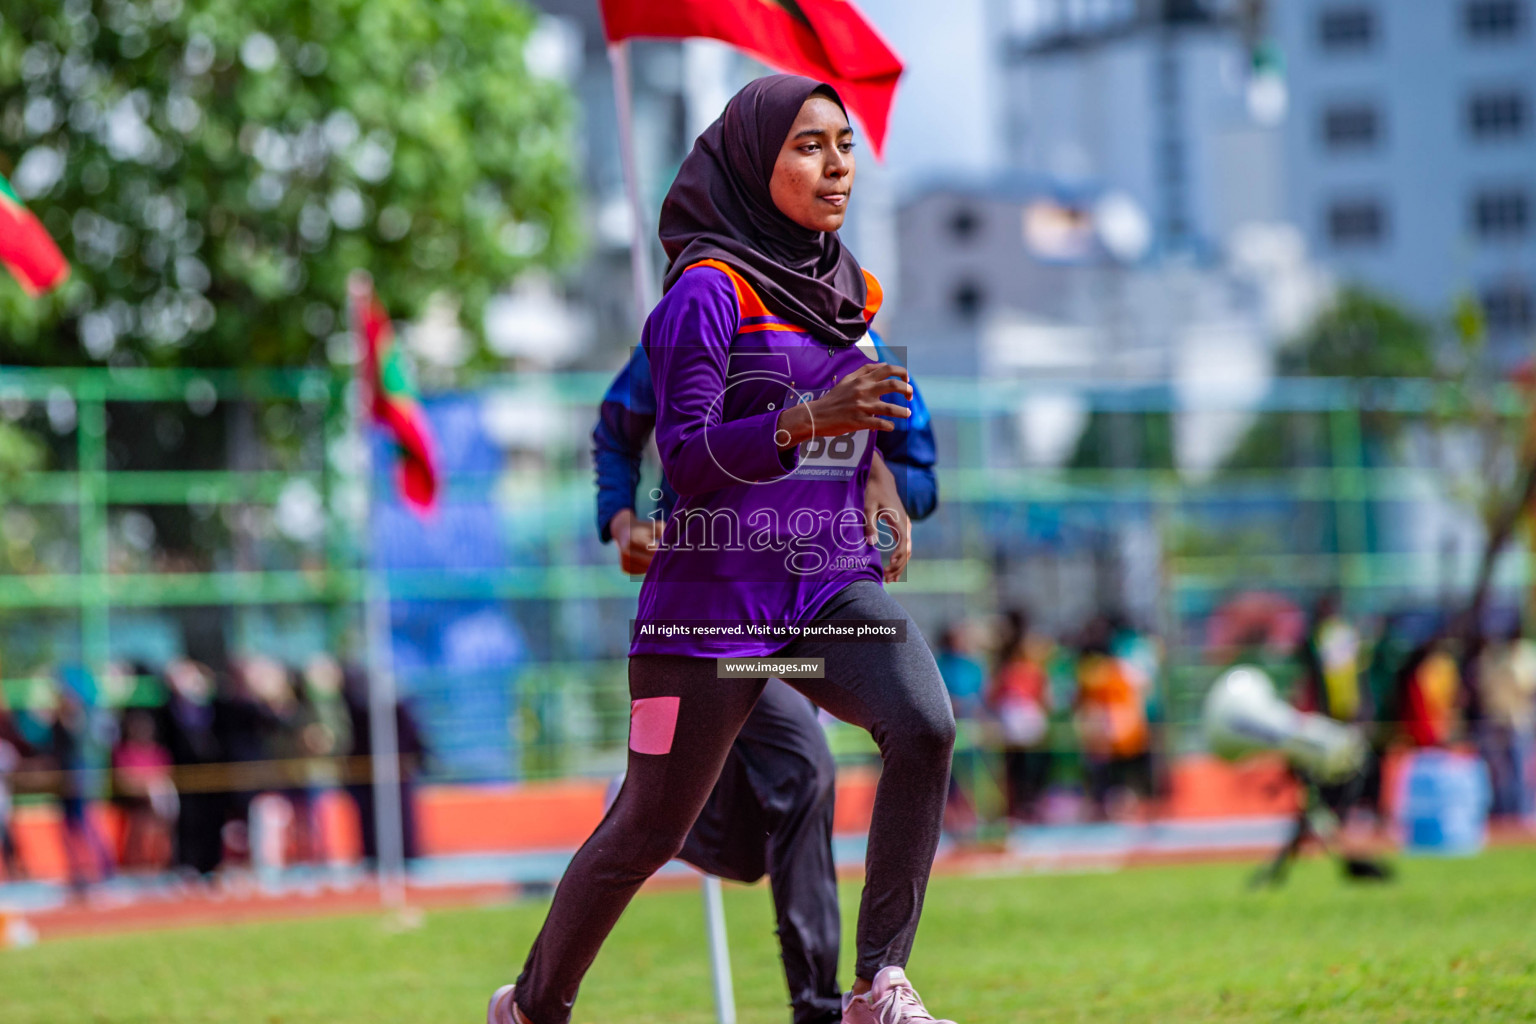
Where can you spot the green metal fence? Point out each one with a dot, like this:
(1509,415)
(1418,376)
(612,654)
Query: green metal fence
(1331,507)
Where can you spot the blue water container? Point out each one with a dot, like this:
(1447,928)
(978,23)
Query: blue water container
(1443,805)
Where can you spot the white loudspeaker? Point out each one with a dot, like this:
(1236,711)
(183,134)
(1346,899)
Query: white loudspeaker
(1243,715)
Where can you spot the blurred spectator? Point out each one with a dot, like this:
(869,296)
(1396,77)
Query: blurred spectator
(1112,724)
(69,749)
(1330,665)
(288,739)
(10,853)
(328,735)
(413,753)
(965,679)
(1331,683)
(1019,697)
(1429,687)
(959,661)
(964,676)
(1254,627)
(1141,654)
(1507,679)
(240,724)
(142,788)
(191,739)
(1397,642)
(1393,645)
(13,747)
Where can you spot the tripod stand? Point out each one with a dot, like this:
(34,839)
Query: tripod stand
(1320,817)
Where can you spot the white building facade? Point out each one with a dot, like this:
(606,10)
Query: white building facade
(1410,149)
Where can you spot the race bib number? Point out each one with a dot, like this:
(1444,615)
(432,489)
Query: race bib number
(833,458)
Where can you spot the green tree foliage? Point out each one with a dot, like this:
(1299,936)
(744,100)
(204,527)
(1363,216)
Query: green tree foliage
(1478,434)
(1360,335)
(20,454)
(1117,440)
(213,169)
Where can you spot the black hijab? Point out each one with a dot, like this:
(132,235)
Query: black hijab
(720,208)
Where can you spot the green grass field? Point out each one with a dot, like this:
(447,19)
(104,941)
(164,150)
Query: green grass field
(1450,941)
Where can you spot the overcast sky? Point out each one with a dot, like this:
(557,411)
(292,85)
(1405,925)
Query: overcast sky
(945,105)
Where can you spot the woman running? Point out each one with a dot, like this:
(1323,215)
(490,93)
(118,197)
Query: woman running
(766,392)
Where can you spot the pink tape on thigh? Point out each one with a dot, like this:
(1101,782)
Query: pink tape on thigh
(652,724)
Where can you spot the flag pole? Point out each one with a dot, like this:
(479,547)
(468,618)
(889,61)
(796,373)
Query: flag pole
(644,298)
(639,249)
(389,831)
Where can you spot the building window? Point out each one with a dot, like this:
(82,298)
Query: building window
(968,300)
(1509,308)
(1346,28)
(1493,19)
(1497,115)
(1351,126)
(1356,222)
(1501,213)
(964,224)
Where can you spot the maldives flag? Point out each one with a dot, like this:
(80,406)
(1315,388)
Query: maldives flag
(828,40)
(25,248)
(390,398)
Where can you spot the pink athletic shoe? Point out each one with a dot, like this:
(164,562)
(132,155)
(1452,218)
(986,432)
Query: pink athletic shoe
(500,1010)
(892,1000)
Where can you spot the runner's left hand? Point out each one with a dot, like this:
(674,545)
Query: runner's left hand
(882,502)
(636,540)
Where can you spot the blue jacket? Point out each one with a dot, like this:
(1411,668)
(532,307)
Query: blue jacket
(628,416)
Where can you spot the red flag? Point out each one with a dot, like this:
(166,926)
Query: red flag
(391,399)
(828,40)
(25,248)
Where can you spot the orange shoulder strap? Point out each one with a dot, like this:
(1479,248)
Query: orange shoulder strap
(746,299)
(876,296)
(752,306)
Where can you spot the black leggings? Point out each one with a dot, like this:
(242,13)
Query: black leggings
(771,813)
(892,689)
